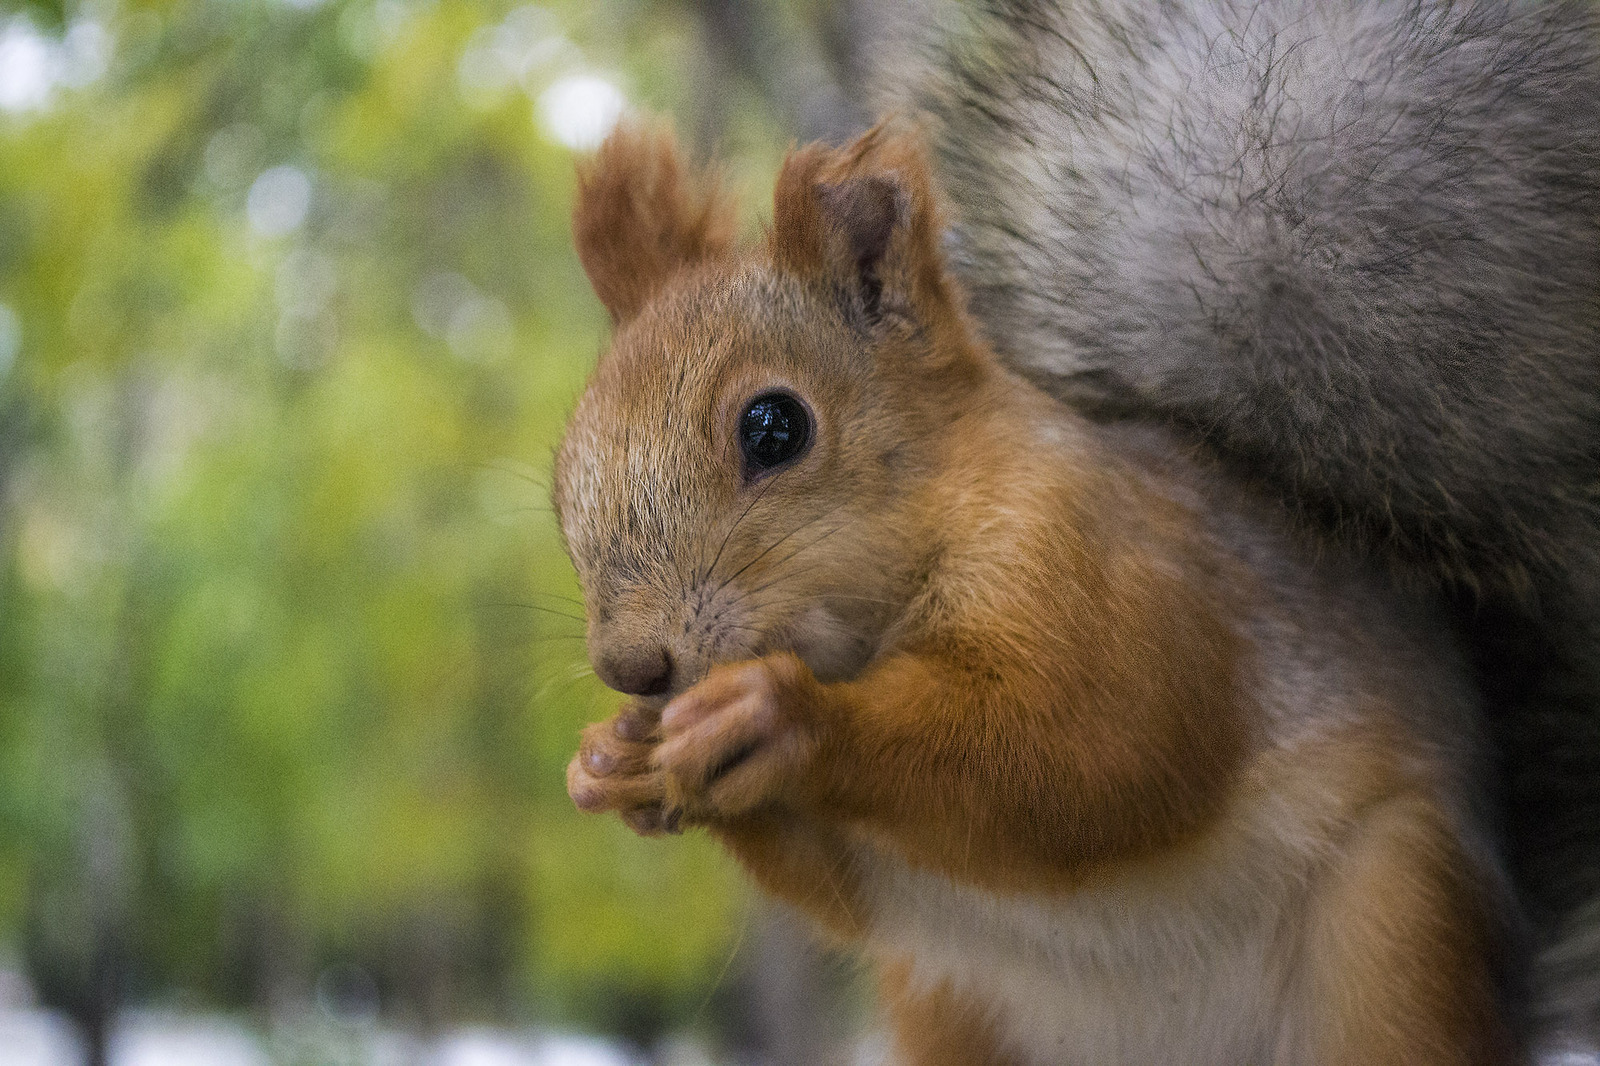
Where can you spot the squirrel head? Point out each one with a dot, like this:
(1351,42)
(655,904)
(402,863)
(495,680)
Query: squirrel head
(747,471)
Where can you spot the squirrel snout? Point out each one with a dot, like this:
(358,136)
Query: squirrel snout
(643,671)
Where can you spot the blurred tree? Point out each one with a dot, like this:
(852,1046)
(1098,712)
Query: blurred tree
(290,658)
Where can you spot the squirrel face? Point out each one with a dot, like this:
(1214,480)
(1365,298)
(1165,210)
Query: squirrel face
(728,483)
(743,473)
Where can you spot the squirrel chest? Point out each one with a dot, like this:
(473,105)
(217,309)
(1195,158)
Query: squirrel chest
(1206,948)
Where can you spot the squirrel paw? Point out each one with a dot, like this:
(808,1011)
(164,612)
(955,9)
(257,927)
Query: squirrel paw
(613,772)
(739,738)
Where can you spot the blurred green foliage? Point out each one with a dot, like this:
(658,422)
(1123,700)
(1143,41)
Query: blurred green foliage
(290,656)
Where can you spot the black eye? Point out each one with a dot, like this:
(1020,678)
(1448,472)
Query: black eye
(773,430)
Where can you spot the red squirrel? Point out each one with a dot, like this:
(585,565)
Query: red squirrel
(1084,753)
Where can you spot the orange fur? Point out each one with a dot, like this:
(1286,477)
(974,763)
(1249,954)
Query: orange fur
(1042,672)
(874,195)
(640,219)
(1398,946)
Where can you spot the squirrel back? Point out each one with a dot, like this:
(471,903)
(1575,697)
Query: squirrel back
(1353,252)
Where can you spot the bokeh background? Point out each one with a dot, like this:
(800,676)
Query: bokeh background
(290,658)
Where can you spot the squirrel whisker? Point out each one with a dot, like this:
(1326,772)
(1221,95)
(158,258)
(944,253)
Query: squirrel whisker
(736,523)
(763,554)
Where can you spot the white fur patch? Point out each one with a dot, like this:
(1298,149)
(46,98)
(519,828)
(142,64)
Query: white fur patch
(1194,966)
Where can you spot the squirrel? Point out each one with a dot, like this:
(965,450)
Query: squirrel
(1352,252)
(1079,745)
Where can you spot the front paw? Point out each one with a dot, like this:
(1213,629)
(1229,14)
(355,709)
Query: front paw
(740,738)
(613,771)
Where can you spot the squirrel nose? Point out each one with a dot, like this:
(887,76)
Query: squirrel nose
(636,671)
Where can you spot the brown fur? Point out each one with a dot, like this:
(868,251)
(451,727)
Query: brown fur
(1398,949)
(640,218)
(1003,649)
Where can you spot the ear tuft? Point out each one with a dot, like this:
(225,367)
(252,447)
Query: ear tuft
(864,219)
(641,217)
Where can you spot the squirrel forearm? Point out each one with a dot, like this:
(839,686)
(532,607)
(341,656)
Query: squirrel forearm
(991,779)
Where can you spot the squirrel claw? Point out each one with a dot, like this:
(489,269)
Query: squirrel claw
(611,772)
(653,820)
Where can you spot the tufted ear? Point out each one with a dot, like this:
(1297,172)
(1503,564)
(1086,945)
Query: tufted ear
(865,220)
(640,217)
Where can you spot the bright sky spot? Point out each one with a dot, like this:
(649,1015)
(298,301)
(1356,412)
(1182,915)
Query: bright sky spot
(523,49)
(33,64)
(158,1041)
(1571,1058)
(581,1051)
(85,53)
(579,110)
(30,64)
(37,1038)
(278,201)
(484,1048)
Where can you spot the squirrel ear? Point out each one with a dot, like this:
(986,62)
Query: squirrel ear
(640,218)
(864,219)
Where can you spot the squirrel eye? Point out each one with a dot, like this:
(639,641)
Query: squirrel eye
(773,430)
